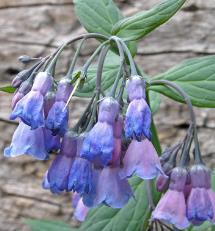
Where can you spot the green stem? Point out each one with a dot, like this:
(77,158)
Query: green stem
(197,154)
(130,58)
(102,56)
(74,60)
(122,60)
(92,57)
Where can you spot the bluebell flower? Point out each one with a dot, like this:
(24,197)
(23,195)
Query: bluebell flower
(58,116)
(110,189)
(199,204)
(99,143)
(80,176)
(138,115)
(141,159)
(28,142)
(30,108)
(172,206)
(58,172)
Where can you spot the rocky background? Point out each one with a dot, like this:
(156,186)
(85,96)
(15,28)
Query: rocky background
(36,28)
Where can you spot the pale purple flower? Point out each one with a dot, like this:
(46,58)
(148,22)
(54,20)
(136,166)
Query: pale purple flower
(172,207)
(110,189)
(199,204)
(141,159)
(26,141)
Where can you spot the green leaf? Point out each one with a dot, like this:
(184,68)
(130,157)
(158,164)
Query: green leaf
(206,226)
(142,23)
(48,225)
(97,16)
(8,89)
(154,99)
(109,74)
(196,77)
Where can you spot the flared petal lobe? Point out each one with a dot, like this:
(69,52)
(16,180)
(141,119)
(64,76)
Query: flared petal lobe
(110,189)
(141,159)
(27,142)
(172,209)
(80,176)
(81,211)
(199,206)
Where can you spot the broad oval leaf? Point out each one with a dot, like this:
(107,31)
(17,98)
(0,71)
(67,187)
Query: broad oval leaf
(97,16)
(196,77)
(8,89)
(142,23)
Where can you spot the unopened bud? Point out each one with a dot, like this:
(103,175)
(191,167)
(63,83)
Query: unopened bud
(26,59)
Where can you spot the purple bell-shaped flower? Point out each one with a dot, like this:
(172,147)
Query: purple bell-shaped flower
(80,176)
(199,204)
(138,115)
(58,116)
(58,172)
(30,108)
(172,207)
(26,141)
(141,159)
(99,143)
(110,189)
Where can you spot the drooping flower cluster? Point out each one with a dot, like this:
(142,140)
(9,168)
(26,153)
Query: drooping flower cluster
(90,162)
(109,144)
(189,198)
